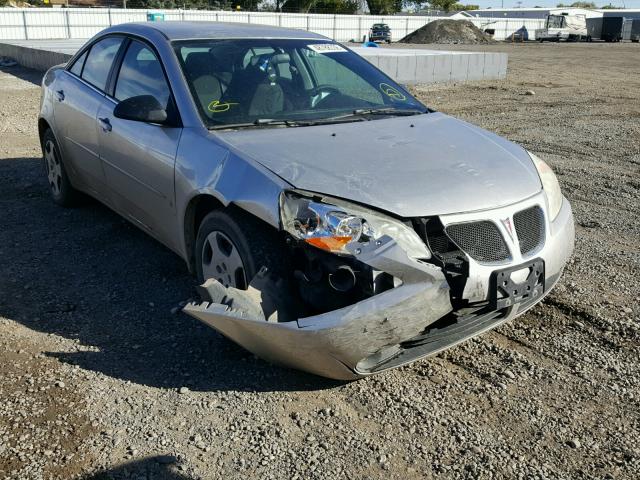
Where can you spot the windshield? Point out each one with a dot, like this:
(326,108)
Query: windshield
(555,21)
(261,81)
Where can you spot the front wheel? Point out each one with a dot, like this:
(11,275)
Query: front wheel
(232,246)
(60,188)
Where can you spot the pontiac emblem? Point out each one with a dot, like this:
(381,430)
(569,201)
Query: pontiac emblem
(508,226)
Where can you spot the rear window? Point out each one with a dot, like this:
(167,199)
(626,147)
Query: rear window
(76,68)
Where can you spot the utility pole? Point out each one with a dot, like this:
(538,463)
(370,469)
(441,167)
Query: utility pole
(124,3)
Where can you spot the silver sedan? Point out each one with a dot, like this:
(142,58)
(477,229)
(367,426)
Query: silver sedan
(336,224)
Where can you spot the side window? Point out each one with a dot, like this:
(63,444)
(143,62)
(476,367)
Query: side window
(98,63)
(141,74)
(76,69)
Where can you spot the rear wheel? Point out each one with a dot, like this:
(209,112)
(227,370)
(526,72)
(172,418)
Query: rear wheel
(60,188)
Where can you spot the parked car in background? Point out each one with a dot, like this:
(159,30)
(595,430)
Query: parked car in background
(337,224)
(380,32)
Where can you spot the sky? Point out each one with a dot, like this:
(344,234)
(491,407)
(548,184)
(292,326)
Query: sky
(548,3)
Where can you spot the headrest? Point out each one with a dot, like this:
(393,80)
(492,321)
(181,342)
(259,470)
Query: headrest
(280,58)
(198,64)
(265,59)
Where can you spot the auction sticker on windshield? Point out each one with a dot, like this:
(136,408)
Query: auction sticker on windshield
(326,48)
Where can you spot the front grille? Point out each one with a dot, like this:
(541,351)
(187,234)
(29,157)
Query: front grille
(529,225)
(443,247)
(480,240)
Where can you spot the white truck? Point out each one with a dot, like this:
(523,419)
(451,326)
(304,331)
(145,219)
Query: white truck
(566,26)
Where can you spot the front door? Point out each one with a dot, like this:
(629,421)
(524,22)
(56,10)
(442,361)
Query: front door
(139,158)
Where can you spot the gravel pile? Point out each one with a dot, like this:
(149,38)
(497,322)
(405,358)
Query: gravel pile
(448,32)
(104,378)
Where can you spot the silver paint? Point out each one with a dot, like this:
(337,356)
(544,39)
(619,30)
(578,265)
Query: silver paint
(410,166)
(407,166)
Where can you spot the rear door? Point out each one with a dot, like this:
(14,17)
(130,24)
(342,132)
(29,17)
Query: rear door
(79,92)
(139,158)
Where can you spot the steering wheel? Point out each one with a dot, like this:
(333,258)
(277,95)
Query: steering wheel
(316,93)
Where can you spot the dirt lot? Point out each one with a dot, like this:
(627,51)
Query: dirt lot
(94,361)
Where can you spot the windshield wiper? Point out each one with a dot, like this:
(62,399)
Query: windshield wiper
(259,122)
(359,114)
(349,117)
(268,122)
(388,111)
(354,116)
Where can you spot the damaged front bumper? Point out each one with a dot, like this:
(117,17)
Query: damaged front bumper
(413,320)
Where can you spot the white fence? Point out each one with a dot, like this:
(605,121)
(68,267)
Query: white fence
(55,23)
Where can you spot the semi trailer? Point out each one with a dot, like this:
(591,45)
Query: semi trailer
(615,29)
(635,31)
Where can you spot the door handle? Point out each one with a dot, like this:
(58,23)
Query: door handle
(105,124)
(60,95)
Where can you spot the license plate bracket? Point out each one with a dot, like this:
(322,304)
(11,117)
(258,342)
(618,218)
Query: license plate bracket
(507,291)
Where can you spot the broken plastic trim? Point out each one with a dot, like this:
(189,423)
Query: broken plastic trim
(330,344)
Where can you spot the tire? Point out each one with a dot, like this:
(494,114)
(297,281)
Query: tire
(60,188)
(232,246)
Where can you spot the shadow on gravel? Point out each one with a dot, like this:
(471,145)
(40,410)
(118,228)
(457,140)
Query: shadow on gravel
(26,74)
(160,468)
(88,275)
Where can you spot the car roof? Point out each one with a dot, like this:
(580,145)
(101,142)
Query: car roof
(178,30)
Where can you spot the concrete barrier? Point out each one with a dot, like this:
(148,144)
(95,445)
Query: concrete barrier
(38,58)
(413,66)
(406,66)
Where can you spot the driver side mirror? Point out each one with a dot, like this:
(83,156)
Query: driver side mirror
(143,108)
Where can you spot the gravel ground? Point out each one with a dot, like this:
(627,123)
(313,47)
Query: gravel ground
(102,378)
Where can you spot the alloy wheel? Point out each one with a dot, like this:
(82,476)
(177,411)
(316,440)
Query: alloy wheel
(221,260)
(53,166)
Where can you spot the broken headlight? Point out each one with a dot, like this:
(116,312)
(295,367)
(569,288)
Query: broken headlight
(550,186)
(340,227)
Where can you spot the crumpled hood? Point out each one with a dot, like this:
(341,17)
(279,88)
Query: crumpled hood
(410,166)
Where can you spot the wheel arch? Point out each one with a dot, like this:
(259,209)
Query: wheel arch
(197,208)
(43,125)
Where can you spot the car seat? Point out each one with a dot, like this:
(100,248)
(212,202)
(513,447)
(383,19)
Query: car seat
(199,67)
(255,88)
